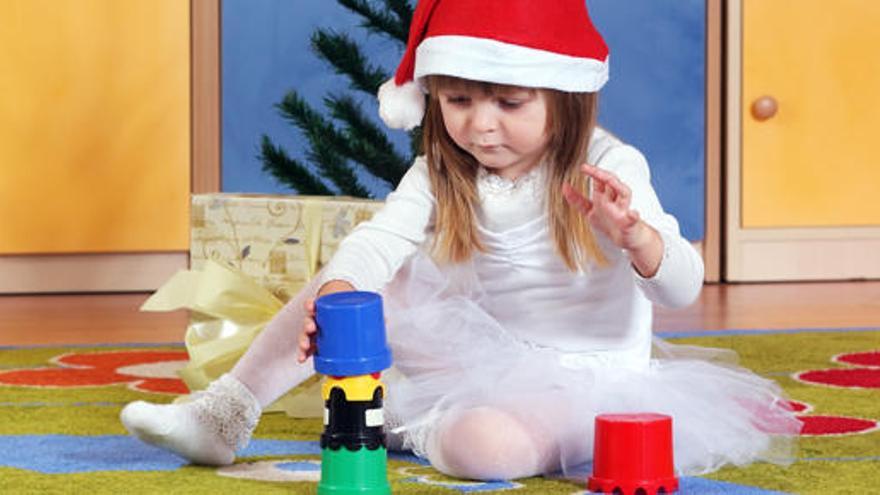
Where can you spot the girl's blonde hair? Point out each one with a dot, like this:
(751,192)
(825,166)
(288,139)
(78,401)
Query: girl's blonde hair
(571,118)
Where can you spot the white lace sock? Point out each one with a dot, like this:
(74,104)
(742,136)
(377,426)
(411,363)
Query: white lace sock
(206,430)
(485,443)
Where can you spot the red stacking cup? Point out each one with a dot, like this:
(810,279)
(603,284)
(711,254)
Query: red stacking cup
(632,453)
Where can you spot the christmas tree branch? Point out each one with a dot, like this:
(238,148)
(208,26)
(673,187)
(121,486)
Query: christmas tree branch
(346,58)
(335,167)
(415,141)
(289,171)
(345,139)
(403,10)
(366,142)
(375,21)
(324,140)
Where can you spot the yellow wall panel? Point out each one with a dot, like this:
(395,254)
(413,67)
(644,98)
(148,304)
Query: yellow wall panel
(94,125)
(815,163)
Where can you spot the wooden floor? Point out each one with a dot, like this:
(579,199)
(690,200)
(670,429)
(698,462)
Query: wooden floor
(114,318)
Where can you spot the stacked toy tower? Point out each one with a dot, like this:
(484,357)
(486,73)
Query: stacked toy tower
(352,352)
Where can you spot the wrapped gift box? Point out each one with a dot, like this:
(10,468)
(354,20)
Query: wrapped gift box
(278,241)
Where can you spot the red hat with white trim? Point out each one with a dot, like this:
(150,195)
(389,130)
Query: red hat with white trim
(532,43)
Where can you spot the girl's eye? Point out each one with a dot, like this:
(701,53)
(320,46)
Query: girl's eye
(457,100)
(509,103)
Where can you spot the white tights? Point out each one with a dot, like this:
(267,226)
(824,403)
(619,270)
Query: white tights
(486,443)
(269,368)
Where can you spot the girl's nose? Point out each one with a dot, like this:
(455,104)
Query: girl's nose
(483,118)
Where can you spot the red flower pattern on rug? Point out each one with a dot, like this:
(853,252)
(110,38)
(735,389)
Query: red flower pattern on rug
(121,367)
(863,373)
(145,371)
(828,425)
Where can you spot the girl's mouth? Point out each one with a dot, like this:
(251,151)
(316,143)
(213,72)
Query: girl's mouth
(488,147)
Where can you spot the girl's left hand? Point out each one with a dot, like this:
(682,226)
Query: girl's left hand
(609,209)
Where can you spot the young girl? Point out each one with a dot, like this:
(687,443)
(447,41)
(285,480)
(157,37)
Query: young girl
(519,260)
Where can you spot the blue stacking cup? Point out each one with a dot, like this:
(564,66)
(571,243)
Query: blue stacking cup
(351,334)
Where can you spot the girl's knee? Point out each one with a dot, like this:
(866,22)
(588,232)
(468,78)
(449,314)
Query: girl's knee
(486,443)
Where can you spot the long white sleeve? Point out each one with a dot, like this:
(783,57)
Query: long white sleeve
(679,278)
(369,257)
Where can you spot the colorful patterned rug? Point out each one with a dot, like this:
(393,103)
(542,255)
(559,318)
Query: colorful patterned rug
(60,433)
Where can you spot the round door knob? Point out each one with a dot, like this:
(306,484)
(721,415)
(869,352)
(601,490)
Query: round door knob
(764,108)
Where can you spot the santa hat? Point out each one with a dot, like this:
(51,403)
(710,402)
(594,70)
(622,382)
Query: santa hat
(531,43)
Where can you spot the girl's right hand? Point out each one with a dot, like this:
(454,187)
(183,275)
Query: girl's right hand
(310,328)
(309,331)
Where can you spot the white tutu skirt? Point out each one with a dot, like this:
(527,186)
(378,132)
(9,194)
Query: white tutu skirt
(451,356)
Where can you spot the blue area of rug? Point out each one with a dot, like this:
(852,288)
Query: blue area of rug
(65,454)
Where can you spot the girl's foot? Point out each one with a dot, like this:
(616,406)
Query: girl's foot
(206,430)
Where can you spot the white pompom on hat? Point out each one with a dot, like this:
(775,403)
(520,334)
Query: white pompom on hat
(531,43)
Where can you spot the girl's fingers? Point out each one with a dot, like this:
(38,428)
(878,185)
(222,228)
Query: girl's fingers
(598,181)
(622,190)
(306,344)
(309,326)
(598,175)
(633,217)
(604,181)
(612,192)
(576,199)
(595,172)
(303,351)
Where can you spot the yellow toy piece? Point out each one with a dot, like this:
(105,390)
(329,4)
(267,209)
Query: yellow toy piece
(355,388)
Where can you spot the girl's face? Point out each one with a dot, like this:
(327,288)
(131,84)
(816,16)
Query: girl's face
(505,130)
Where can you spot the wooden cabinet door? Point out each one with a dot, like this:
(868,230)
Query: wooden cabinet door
(803,173)
(94,119)
(107,109)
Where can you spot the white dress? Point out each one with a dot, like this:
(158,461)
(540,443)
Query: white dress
(515,329)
